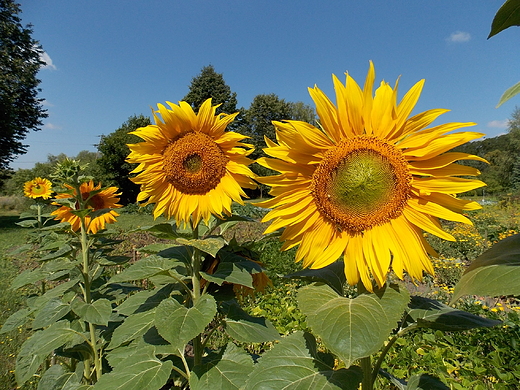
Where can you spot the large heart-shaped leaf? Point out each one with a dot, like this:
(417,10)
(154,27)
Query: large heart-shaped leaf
(295,364)
(429,313)
(496,272)
(228,371)
(141,370)
(230,273)
(178,324)
(145,300)
(352,328)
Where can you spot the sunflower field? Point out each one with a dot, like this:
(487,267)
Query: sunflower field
(366,267)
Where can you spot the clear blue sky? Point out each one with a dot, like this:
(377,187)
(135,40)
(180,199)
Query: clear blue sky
(108,60)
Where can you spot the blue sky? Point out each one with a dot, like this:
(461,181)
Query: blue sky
(108,60)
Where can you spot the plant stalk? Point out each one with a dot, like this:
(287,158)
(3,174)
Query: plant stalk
(366,366)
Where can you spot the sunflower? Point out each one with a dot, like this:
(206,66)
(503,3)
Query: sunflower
(189,166)
(368,182)
(99,200)
(38,188)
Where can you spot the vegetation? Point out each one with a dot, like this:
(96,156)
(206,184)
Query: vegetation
(20,61)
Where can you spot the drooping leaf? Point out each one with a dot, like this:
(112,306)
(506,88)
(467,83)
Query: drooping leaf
(29,276)
(230,273)
(496,272)
(63,251)
(15,320)
(429,313)
(245,328)
(228,371)
(508,15)
(509,93)
(28,223)
(57,378)
(36,348)
(97,312)
(144,300)
(352,328)
(51,312)
(168,231)
(333,275)
(210,245)
(155,248)
(295,364)
(141,370)
(134,326)
(425,382)
(178,324)
(145,268)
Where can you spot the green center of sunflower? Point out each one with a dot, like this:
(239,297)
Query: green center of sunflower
(38,189)
(361,183)
(194,163)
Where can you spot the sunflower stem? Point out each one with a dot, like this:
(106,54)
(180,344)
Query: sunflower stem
(366,366)
(198,349)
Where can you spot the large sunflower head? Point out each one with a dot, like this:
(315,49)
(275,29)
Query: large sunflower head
(96,199)
(368,182)
(189,166)
(38,188)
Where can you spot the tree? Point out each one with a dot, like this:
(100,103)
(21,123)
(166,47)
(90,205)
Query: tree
(257,123)
(112,167)
(210,84)
(20,108)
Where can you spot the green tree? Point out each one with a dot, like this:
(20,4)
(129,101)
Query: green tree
(257,123)
(210,84)
(20,108)
(112,167)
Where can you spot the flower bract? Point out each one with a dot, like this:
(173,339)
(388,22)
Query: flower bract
(367,183)
(96,199)
(38,188)
(189,166)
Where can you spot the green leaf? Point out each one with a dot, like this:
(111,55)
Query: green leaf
(15,320)
(509,93)
(228,371)
(496,272)
(178,324)
(425,382)
(333,275)
(168,231)
(247,329)
(295,364)
(352,328)
(63,251)
(36,348)
(51,312)
(155,248)
(144,300)
(29,276)
(141,370)
(28,223)
(210,245)
(230,273)
(145,268)
(97,312)
(508,15)
(429,313)
(56,378)
(134,326)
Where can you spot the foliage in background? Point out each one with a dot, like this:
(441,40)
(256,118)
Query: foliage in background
(112,167)
(21,109)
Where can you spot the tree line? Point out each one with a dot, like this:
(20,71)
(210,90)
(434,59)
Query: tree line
(108,163)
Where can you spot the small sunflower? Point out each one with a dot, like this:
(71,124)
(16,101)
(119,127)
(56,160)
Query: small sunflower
(189,166)
(38,188)
(368,183)
(100,200)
